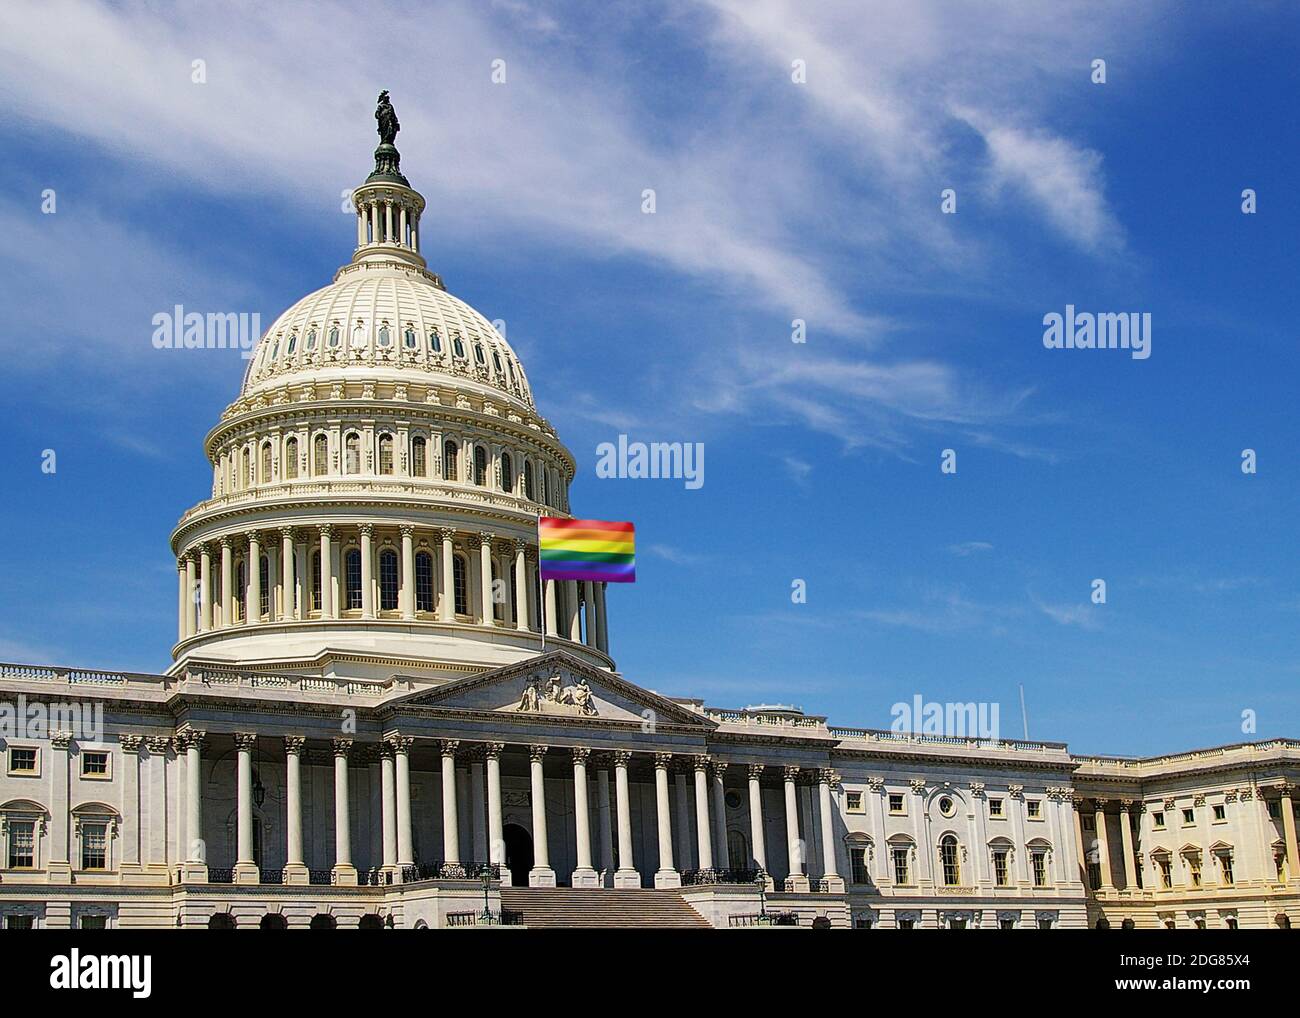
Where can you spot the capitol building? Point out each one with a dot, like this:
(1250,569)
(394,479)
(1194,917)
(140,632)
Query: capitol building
(377,716)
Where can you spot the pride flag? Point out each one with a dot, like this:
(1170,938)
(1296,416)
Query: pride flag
(594,550)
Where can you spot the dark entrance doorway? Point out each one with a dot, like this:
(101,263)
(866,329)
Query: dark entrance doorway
(519,853)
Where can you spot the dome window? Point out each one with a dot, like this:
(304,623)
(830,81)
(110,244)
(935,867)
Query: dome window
(478,353)
(293,344)
(311,339)
(507,472)
(496,359)
(358,336)
(480,466)
(291,458)
(419,457)
(334,335)
(385,337)
(275,349)
(409,338)
(352,450)
(320,456)
(458,347)
(385,454)
(435,341)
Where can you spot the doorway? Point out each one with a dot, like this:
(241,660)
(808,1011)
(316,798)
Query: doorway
(519,853)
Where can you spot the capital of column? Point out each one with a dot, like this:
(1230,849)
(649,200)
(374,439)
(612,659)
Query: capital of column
(366,529)
(756,770)
(130,743)
(401,743)
(702,761)
(326,529)
(445,533)
(827,776)
(520,545)
(385,750)
(1126,804)
(1016,791)
(1101,804)
(663,761)
(791,772)
(289,532)
(245,740)
(622,756)
(342,747)
(536,751)
(293,744)
(225,542)
(720,768)
(158,744)
(493,750)
(406,530)
(580,754)
(448,747)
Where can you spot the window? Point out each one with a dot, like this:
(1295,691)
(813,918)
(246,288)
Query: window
(457,347)
(94,846)
(1231,922)
(1034,809)
(946,805)
(1194,869)
(385,454)
(897,804)
(311,338)
(1000,870)
(265,469)
(352,562)
(951,864)
(245,469)
(320,456)
(458,574)
(291,458)
(496,359)
(22,844)
(1038,863)
(94,764)
(478,354)
(995,809)
(1220,813)
(419,457)
(385,337)
(23,760)
(358,337)
(498,603)
(293,344)
(1158,820)
(1006,923)
(20,921)
(1094,875)
(907,924)
(507,472)
(92,922)
(858,864)
(1166,872)
(424,582)
(853,802)
(264,578)
(480,466)
(435,341)
(1044,923)
(388,580)
(408,337)
(334,335)
(352,451)
(315,581)
(1225,868)
(450,466)
(1189,817)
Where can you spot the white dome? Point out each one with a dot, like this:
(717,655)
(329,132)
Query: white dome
(380,318)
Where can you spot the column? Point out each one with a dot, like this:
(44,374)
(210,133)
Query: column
(1078,843)
(704,841)
(448,603)
(602,623)
(367,571)
(344,872)
(756,817)
(196,856)
(722,852)
(589,597)
(682,798)
(666,875)
(375,237)
(830,871)
(797,880)
(388,222)
(606,829)
(130,803)
(477,812)
(552,623)
(388,805)
(1289,834)
(1126,843)
(450,813)
(286,574)
(626,875)
(541,874)
(485,578)
(190,626)
(158,798)
(574,631)
(227,582)
(402,760)
(295,868)
(595,616)
(408,571)
(329,610)
(585,874)
(245,863)
(205,589)
(253,574)
(182,601)
(521,587)
(496,835)
(1103,846)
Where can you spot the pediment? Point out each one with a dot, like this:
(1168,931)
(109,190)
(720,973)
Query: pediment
(556,686)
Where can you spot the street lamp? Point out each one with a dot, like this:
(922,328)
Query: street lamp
(760,881)
(485,875)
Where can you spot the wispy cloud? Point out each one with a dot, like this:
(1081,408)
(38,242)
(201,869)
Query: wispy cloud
(966,548)
(674,555)
(1081,615)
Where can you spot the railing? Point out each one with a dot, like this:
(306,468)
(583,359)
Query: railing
(449,871)
(701,878)
(375,877)
(79,676)
(764,919)
(885,735)
(741,717)
(271,876)
(462,918)
(320,877)
(220,876)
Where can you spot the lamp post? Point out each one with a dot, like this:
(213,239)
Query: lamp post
(760,881)
(485,875)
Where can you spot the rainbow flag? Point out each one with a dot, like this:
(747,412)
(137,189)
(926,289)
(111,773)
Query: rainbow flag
(594,550)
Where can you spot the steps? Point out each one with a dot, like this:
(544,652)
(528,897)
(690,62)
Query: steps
(600,907)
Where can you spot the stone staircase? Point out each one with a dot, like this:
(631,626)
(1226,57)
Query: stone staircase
(599,907)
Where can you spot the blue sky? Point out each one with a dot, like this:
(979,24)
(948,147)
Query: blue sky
(775,201)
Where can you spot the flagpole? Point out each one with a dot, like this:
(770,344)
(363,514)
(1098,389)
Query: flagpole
(541,599)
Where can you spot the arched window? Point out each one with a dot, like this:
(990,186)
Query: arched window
(245,469)
(458,577)
(264,583)
(275,349)
(496,360)
(419,457)
(435,341)
(352,563)
(408,337)
(241,585)
(478,354)
(385,453)
(265,476)
(450,465)
(334,335)
(291,458)
(322,921)
(273,921)
(388,580)
(352,448)
(358,336)
(498,604)
(528,480)
(385,337)
(508,472)
(311,339)
(423,582)
(480,466)
(293,344)
(315,581)
(950,860)
(320,456)
(457,346)
(546,477)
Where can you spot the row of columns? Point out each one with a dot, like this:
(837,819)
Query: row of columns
(397,840)
(196,571)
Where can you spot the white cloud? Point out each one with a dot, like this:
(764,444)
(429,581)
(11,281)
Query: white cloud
(966,548)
